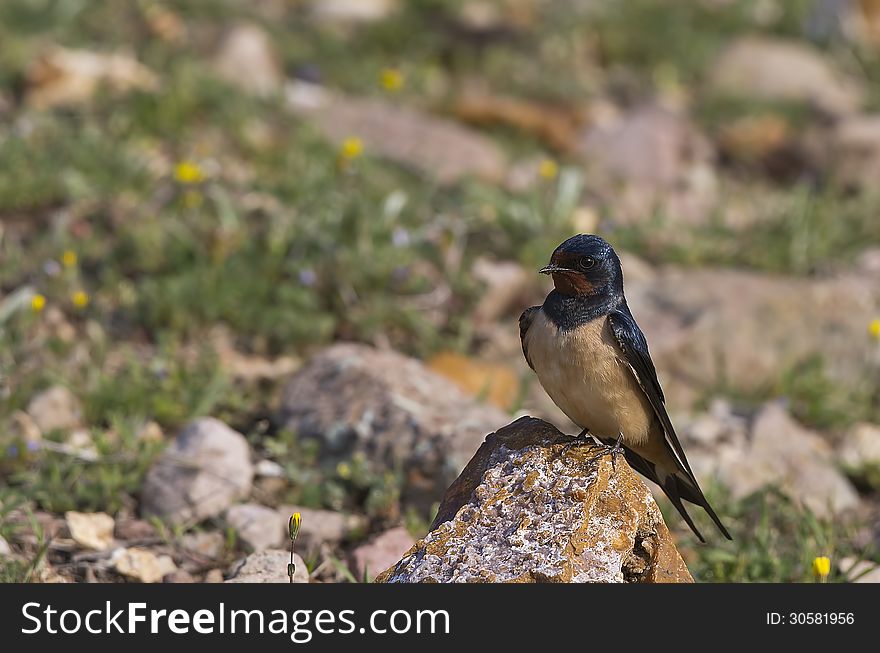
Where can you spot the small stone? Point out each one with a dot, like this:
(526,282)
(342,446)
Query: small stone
(142,565)
(204,471)
(269,566)
(861,447)
(178,576)
(256,526)
(860,571)
(134,529)
(55,409)
(353,11)
(65,77)
(380,552)
(390,409)
(784,454)
(214,576)
(776,69)
(247,59)
(210,544)
(269,469)
(91,530)
(151,432)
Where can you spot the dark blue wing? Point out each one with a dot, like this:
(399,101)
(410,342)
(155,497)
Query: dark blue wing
(634,348)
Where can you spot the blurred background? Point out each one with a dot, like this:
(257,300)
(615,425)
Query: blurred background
(204,203)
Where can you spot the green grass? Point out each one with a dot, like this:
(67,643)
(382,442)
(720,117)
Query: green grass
(775,540)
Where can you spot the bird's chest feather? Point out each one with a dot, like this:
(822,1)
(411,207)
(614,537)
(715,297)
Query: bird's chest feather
(583,373)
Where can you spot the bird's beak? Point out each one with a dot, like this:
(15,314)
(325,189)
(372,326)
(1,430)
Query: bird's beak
(550,269)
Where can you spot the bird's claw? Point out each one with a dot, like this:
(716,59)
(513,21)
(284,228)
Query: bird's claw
(613,449)
(578,440)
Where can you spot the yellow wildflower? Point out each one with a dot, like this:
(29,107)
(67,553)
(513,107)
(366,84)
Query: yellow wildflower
(293,525)
(392,79)
(821,568)
(80,299)
(188,172)
(352,148)
(69,258)
(344,470)
(548,169)
(874,329)
(38,303)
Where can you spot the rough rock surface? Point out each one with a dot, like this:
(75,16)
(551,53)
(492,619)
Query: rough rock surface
(380,552)
(775,69)
(247,60)
(524,510)
(257,526)
(390,409)
(650,158)
(269,566)
(204,471)
(776,451)
(742,329)
(438,148)
(55,408)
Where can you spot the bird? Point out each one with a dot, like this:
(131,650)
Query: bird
(592,359)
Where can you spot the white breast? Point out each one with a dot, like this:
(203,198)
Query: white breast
(582,371)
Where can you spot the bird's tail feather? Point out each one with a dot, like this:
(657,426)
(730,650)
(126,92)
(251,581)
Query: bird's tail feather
(686,488)
(671,488)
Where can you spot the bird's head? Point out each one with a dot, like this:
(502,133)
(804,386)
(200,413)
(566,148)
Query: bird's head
(585,265)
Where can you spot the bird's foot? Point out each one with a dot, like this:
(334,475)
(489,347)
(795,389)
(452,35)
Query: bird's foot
(613,449)
(578,440)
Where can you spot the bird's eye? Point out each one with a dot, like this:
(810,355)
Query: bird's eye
(586,262)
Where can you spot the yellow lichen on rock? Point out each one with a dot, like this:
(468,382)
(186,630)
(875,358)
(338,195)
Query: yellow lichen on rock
(529,509)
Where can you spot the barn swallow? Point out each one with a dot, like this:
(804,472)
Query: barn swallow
(592,359)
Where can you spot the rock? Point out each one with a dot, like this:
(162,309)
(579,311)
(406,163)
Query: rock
(247,60)
(322,527)
(142,565)
(214,576)
(435,147)
(257,526)
(353,11)
(760,68)
(23,428)
(495,382)
(860,571)
(860,447)
(269,566)
(93,531)
(64,77)
(782,453)
(855,152)
(179,576)
(150,432)
(205,470)
(380,552)
(55,409)
(507,285)
(266,468)
(743,330)
(210,544)
(524,511)
(392,410)
(134,529)
(647,159)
